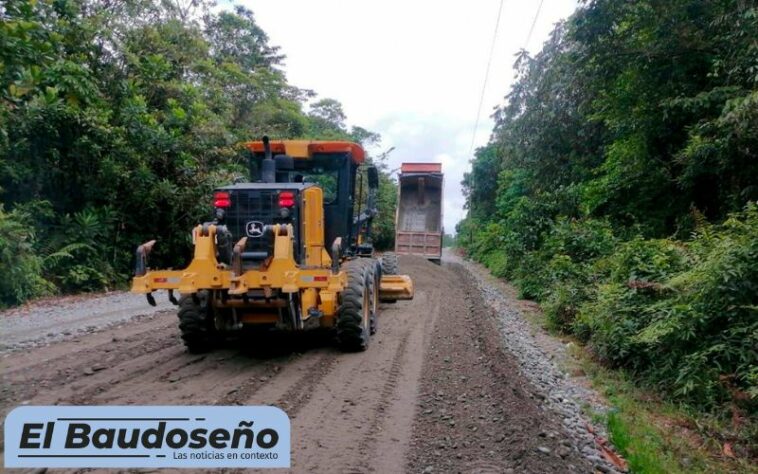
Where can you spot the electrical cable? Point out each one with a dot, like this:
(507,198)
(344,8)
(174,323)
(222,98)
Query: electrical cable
(489,62)
(534,22)
(487,74)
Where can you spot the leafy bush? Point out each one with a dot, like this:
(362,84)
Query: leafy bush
(497,262)
(80,255)
(487,240)
(684,318)
(530,276)
(680,315)
(581,240)
(22,267)
(558,272)
(648,261)
(708,330)
(567,292)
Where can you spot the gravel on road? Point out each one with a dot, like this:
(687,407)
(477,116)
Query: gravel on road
(56,319)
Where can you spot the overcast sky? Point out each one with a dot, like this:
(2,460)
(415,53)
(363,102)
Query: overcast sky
(410,70)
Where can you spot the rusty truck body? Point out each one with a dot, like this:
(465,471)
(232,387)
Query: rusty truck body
(418,229)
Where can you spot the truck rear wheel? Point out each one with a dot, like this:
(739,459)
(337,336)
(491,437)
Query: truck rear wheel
(196,322)
(354,318)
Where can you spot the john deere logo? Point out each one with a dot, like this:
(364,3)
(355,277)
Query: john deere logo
(254,229)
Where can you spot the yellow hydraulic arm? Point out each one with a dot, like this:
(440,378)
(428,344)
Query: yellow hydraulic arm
(206,273)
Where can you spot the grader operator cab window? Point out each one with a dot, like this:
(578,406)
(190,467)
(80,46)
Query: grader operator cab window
(323,171)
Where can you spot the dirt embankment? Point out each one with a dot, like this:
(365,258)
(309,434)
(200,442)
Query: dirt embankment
(435,392)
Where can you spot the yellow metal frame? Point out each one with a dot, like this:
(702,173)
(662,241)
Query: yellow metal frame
(318,286)
(281,272)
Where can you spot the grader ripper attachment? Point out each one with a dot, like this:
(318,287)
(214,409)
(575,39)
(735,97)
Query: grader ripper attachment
(264,261)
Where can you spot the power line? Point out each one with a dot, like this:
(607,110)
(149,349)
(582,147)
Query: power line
(487,74)
(534,22)
(489,61)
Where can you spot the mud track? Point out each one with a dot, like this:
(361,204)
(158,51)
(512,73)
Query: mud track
(435,392)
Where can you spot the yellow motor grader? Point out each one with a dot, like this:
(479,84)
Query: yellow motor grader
(291,250)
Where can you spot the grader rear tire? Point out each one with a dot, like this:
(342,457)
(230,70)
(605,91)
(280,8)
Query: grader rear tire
(196,323)
(375,267)
(354,317)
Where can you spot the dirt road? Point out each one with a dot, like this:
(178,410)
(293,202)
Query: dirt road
(435,392)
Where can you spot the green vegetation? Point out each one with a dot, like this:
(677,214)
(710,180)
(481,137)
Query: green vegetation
(653,435)
(659,437)
(619,190)
(117,120)
(448,240)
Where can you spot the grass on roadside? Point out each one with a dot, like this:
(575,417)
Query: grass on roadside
(655,436)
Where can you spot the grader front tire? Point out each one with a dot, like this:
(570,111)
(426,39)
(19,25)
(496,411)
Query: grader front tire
(353,321)
(389,263)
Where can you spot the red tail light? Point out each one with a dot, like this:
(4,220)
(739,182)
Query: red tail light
(222,199)
(286,199)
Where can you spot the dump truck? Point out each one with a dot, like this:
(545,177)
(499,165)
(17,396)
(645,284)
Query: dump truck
(418,224)
(290,249)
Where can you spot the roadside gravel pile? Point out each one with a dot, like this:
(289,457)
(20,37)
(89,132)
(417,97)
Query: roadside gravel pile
(536,355)
(56,319)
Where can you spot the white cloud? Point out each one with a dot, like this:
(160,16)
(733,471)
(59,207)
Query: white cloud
(409,70)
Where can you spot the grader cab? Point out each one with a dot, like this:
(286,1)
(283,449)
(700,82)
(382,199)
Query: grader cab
(291,249)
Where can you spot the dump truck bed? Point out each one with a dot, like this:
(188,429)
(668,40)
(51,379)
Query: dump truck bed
(419,210)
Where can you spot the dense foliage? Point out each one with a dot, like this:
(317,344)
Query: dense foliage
(116,121)
(619,190)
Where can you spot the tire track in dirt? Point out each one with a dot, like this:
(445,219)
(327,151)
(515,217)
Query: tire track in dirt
(300,393)
(107,384)
(277,377)
(45,375)
(127,342)
(390,398)
(392,440)
(245,384)
(373,428)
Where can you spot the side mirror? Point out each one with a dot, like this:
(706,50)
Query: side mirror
(373,177)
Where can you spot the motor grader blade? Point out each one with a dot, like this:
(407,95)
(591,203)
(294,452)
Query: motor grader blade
(395,287)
